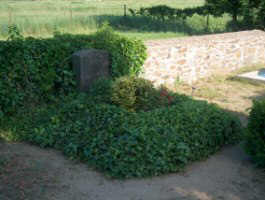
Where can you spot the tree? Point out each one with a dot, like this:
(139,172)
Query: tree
(254,13)
(219,7)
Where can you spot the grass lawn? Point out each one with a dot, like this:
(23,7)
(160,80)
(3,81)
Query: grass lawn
(42,18)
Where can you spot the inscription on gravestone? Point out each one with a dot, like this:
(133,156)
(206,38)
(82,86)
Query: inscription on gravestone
(89,65)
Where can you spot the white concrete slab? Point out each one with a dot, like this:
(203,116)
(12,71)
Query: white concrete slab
(255,76)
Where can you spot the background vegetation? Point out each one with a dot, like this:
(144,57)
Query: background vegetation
(42,18)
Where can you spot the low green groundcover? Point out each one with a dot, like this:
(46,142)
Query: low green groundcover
(125,144)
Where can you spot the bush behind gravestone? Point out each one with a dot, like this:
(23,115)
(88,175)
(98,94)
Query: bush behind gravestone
(35,70)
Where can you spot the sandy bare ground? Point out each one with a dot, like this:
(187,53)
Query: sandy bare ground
(228,175)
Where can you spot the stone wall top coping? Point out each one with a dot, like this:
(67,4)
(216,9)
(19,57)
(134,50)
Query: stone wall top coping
(197,40)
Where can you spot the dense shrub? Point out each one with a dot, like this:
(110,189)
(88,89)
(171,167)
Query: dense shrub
(255,137)
(33,70)
(135,94)
(124,93)
(125,144)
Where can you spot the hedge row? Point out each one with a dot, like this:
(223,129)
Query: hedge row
(255,137)
(34,70)
(125,144)
(164,12)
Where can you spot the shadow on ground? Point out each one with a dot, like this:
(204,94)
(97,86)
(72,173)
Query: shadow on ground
(24,174)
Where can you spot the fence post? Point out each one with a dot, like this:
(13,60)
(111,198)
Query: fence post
(10,20)
(125,9)
(208,19)
(71,15)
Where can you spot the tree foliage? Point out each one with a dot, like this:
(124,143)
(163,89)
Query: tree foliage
(233,7)
(254,13)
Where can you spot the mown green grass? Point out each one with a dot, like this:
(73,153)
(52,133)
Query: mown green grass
(43,17)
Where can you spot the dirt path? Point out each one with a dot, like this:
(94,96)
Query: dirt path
(228,175)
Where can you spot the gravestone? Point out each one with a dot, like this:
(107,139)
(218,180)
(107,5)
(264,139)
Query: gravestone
(89,65)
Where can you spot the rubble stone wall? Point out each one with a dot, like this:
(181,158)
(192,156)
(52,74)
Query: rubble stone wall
(188,59)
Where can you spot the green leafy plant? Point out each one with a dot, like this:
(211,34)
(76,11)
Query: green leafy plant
(123,93)
(14,33)
(101,90)
(128,55)
(255,134)
(135,94)
(125,144)
(37,70)
(165,132)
